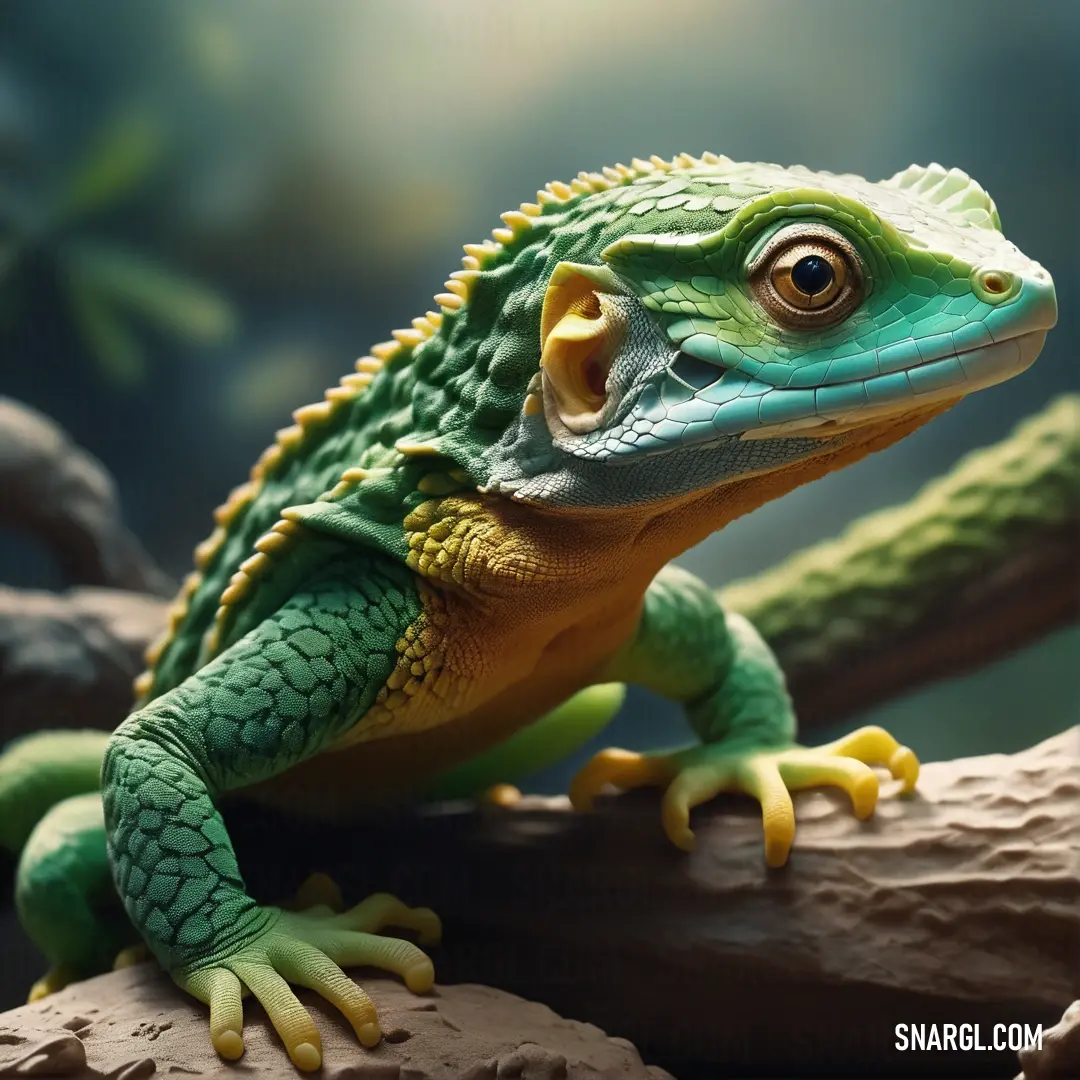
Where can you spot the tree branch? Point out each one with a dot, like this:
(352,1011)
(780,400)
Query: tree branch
(961,904)
(60,494)
(980,563)
(68,661)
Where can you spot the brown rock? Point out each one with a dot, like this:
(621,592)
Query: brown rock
(1058,1058)
(135,1023)
(959,905)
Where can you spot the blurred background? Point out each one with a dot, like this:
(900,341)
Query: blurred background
(208,210)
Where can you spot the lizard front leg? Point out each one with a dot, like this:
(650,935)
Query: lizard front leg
(688,649)
(277,696)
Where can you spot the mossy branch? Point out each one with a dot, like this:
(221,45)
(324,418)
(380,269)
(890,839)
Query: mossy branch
(981,562)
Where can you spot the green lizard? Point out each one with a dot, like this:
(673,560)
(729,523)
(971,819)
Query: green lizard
(440,577)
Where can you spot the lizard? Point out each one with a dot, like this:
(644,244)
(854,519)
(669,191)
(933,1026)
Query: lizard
(442,575)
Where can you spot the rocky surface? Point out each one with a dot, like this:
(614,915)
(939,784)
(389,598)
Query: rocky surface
(135,1024)
(1059,1056)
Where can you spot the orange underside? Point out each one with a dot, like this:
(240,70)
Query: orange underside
(516,651)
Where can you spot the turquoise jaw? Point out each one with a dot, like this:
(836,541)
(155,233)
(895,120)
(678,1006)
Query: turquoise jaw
(674,415)
(772,400)
(959,328)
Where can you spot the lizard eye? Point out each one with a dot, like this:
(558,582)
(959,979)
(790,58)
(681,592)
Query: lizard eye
(807,277)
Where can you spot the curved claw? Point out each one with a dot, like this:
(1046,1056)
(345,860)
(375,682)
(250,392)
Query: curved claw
(622,769)
(220,989)
(875,746)
(381,910)
(802,769)
(759,776)
(904,765)
(691,787)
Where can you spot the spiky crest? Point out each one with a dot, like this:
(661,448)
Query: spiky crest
(289,442)
(950,189)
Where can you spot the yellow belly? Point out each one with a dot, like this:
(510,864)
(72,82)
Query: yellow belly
(530,609)
(385,764)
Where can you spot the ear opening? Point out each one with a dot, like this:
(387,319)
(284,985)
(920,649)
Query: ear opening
(572,288)
(580,336)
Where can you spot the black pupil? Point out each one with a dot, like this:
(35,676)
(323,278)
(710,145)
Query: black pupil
(812,274)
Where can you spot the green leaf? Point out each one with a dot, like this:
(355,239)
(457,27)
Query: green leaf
(121,156)
(146,288)
(118,354)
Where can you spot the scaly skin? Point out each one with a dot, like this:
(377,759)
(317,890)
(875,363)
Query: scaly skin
(280,694)
(473,531)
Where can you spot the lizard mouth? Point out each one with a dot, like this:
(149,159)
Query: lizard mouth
(736,406)
(848,404)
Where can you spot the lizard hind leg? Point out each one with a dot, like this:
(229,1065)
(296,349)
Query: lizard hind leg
(544,742)
(65,898)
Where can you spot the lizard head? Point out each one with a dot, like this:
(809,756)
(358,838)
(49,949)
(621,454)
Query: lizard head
(706,321)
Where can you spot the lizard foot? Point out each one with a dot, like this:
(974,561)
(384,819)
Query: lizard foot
(56,978)
(129,957)
(697,774)
(309,949)
(501,795)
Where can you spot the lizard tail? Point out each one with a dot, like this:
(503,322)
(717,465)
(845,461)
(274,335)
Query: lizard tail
(40,770)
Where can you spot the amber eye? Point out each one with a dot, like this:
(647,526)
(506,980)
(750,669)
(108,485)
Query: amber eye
(807,277)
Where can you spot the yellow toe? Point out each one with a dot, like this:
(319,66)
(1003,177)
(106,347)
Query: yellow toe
(129,957)
(427,924)
(306,1057)
(421,978)
(675,818)
(904,765)
(864,795)
(777,851)
(53,980)
(501,795)
(230,1045)
(622,769)
(319,890)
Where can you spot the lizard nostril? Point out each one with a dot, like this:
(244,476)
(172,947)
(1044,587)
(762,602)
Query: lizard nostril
(995,283)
